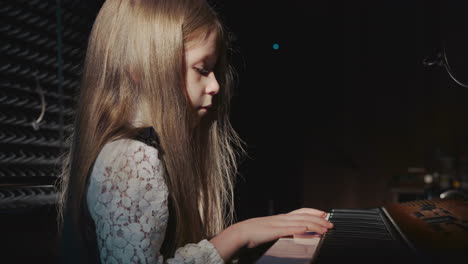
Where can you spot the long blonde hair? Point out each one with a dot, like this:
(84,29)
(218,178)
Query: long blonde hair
(145,40)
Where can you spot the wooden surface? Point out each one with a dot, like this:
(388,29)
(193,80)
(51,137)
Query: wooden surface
(436,227)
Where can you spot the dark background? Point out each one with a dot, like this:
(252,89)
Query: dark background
(343,107)
(345,104)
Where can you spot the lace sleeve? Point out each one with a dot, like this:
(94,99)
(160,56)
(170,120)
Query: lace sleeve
(127,200)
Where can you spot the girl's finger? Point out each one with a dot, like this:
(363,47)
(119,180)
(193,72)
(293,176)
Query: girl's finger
(290,230)
(321,226)
(309,218)
(311,211)
(310,226)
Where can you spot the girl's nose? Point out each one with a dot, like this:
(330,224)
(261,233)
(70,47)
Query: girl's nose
(213,85)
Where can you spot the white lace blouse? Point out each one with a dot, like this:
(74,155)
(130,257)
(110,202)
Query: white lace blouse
(127,200)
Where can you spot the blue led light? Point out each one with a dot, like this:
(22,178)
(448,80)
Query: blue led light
(276,46)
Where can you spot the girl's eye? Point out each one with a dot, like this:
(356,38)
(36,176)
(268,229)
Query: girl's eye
(202,71)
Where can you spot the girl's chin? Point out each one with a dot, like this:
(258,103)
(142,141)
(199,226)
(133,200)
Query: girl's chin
(202,112)
(199,116)
(203,115)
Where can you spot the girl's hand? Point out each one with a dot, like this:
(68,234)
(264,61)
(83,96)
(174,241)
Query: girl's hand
(256,231)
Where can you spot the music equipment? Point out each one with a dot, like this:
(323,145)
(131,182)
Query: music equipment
(423,231)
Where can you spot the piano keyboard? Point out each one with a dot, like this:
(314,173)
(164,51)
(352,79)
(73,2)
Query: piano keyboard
(426,231)
(365,235)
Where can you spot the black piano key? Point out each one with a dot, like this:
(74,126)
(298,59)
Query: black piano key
(357,232)
(349,235)
(354,216)
(356,211)
(359,224)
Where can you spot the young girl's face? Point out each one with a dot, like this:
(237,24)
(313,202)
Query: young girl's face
(200,58)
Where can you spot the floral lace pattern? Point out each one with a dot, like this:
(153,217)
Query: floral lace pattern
(127,200)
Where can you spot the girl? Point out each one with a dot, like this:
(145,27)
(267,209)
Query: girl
(149,175)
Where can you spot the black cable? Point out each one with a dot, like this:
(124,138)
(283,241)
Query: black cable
(449,70)
(440,59)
